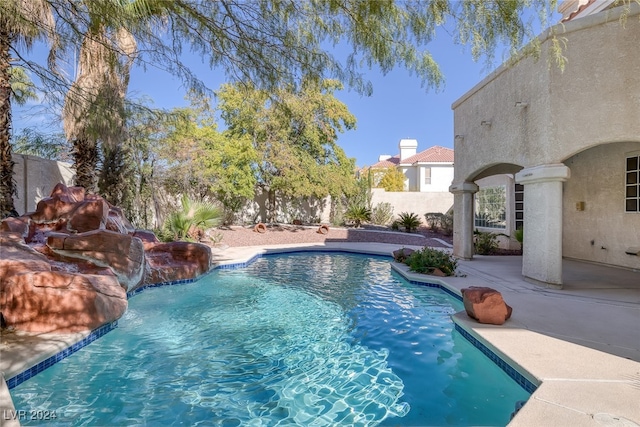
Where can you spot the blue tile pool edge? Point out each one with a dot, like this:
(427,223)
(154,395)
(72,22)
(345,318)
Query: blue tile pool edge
(18,379)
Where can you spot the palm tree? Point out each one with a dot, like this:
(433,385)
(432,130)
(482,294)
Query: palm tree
(93,111)
(22,22)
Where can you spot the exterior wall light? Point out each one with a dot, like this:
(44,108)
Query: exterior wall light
(522,104)
(485,123)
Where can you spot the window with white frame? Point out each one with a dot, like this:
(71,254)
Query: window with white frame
(632,184)
(491,207)
(427,176)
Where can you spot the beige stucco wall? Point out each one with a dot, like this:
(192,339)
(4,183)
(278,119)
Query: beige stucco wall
(597,179)
(35,178)
(584,117)
(413,202)
(595,100)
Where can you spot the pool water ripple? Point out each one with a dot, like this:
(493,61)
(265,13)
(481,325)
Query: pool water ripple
(291,340)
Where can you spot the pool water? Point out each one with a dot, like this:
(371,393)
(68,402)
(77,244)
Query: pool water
(297,339)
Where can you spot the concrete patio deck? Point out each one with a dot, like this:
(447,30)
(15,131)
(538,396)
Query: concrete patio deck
(581,344)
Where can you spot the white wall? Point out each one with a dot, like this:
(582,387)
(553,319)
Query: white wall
(35,178)
(441,177)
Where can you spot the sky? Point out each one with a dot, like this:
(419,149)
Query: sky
(399,107)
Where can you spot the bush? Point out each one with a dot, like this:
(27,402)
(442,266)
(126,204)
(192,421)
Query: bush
(485,243)
(358,214)
(192,220)
(519,235)
(440,222)
(382,214)
(395,225)
(409,221)
(427,260)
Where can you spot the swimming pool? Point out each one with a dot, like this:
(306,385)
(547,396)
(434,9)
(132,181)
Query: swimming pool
(328,339)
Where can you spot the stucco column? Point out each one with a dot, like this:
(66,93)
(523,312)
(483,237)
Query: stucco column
(542,246)
(463,219)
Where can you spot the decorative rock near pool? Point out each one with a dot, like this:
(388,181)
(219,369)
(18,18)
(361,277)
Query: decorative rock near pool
(60,302)
(123,253)
(68,266)
(485,305)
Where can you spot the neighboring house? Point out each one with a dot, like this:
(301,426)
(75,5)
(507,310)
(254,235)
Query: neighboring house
(430,170)
(428,175)
(564,146)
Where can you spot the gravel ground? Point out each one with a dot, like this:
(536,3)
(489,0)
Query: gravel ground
(286,234)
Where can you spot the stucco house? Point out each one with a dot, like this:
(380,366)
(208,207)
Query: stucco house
(569,139)
(430,170)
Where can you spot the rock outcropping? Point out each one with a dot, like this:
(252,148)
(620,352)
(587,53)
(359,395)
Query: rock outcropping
(67,267)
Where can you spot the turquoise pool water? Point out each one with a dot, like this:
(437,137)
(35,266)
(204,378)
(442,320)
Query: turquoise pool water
(298,339)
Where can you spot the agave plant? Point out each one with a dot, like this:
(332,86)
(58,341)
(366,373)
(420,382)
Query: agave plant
(193,219)
(358,214)
(410,221)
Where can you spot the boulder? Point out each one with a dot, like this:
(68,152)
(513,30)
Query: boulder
(401,255)
(122,253)
(116,221)
(177,261)
(16,225)
(485,305)
(75,194)
(16,257)
(90,214)
(60,302)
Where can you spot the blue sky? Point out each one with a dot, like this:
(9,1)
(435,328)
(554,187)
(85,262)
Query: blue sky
(399,107)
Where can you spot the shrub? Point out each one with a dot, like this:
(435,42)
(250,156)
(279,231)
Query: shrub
(382,214)
(358,214)
(409,221)
(190,222)
(395,225)
(519,235)
(427,260)
(441,222)
(485,243)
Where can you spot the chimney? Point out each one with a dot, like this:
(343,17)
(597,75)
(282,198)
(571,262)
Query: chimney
(408,148)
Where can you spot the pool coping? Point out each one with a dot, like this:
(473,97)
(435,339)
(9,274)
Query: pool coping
(599,377)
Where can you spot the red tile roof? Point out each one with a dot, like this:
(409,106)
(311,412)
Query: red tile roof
(435,154)
(390,162)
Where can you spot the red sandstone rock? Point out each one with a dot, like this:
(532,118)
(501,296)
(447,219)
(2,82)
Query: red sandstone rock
(116,221)
(16,257)
(149,239)
(76,194)
(89,215)
(123,253)
(177,261)
(55,301)
(16,225)
(485,305)
(67,285)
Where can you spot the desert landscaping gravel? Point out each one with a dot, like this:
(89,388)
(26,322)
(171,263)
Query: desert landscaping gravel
(288,234)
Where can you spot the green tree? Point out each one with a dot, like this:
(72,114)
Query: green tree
(205,162)
(392,180)
(294,135)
